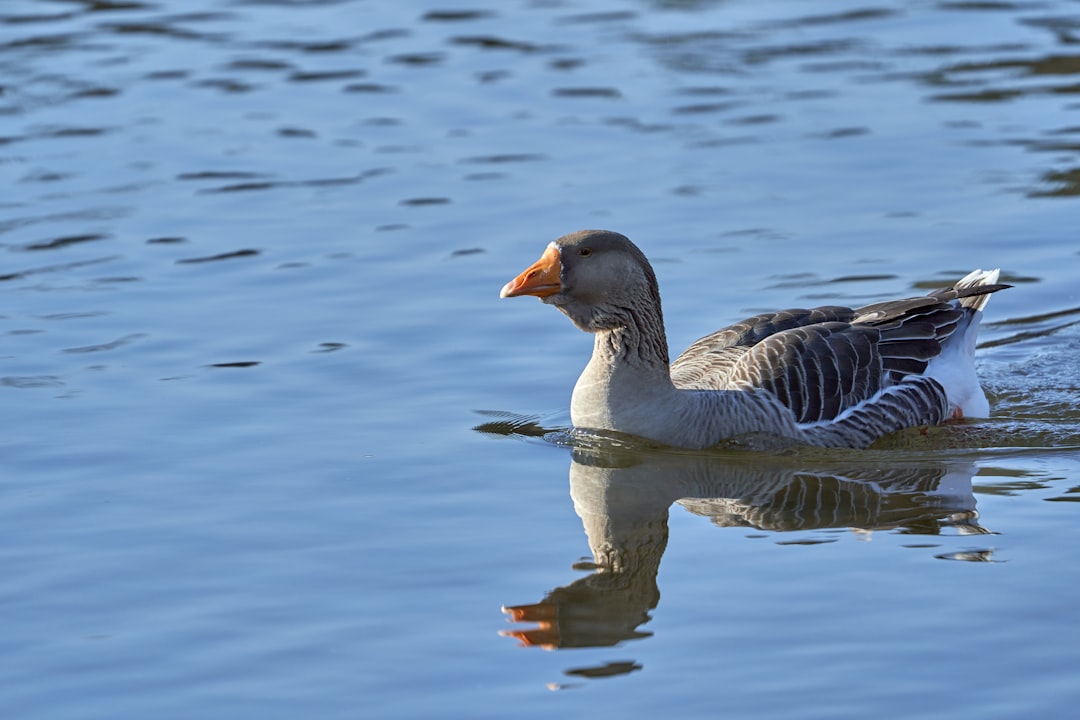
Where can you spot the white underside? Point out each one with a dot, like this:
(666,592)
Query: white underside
(954,368)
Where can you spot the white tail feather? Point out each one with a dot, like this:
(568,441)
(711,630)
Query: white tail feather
(954,368)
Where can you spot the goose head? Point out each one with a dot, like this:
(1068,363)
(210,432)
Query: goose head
(597,278)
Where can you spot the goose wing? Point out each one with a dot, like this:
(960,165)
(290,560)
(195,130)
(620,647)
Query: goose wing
(822,362)
(707,363)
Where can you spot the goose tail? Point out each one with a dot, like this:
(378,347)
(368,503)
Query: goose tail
(954,368)
(974,289)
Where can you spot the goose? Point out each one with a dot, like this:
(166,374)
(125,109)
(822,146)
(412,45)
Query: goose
(828,376)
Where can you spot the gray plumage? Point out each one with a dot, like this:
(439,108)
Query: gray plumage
(830,376)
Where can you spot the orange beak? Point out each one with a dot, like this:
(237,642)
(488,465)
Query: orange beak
(540,279)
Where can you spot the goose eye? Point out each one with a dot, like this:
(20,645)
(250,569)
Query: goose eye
(585,252)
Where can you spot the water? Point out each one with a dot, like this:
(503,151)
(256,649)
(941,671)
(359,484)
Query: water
(251,258)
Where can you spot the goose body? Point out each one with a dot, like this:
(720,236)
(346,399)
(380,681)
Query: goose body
(828,376)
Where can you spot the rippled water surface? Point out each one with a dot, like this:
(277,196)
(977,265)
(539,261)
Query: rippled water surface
(273,447)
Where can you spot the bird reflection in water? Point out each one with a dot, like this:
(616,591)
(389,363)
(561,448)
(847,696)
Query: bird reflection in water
(623,497)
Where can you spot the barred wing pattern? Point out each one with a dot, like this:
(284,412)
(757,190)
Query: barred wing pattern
(826,363)
(705,365)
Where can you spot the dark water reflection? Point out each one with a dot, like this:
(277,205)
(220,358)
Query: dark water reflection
(623,498)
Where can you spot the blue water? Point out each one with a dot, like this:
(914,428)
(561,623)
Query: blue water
(250,255)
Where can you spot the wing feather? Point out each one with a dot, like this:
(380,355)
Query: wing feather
(705,364)
(846,375)
(817,371)
(824,362)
